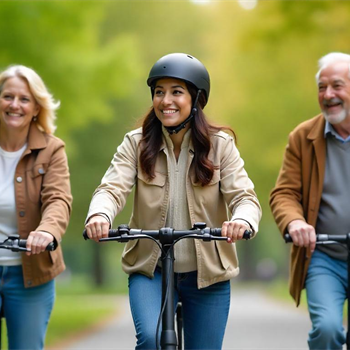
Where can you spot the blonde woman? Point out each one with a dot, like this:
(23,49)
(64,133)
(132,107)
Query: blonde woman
(35,202)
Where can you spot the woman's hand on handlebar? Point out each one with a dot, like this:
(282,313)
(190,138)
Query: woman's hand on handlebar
(234,230)
(303,234)
(97,227)
(37,242)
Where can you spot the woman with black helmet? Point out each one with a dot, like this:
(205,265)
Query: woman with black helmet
(184,170)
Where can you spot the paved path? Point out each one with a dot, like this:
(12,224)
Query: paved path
(255,322)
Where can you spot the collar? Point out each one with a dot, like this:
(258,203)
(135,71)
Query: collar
(329,130)
(36,138)
(186,142)
(317,130)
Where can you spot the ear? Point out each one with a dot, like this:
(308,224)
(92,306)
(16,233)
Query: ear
(37,109)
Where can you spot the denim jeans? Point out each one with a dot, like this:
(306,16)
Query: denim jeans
(205,311)
(27,310)
(326,285)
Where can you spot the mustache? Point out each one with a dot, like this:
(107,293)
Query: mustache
(332,101)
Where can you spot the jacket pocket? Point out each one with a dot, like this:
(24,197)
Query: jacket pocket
(159,179)
(227,254)
(215,179)
(129,254)
(34,181)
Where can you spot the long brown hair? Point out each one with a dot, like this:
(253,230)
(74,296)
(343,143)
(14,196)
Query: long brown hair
(201,132)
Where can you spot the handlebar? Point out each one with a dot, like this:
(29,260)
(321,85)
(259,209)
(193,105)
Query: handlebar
(166,234)
(15,244)
(324,238)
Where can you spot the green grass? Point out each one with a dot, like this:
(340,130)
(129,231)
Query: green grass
(75,313)
(79,306)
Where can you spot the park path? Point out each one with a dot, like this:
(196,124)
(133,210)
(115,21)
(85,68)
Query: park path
(256,321)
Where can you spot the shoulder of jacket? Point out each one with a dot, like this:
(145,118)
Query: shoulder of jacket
(54,141)
(221,136)
(135,134)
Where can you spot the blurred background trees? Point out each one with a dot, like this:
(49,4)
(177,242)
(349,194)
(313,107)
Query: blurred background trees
(95,57)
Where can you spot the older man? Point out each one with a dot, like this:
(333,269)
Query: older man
(312,194)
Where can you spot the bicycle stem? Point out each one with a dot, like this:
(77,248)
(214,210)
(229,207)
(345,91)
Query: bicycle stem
(168,336)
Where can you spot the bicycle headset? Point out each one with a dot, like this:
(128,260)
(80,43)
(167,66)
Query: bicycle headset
(184,67)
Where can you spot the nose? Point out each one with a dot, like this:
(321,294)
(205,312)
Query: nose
(14,103)
(329,93)
(167,99)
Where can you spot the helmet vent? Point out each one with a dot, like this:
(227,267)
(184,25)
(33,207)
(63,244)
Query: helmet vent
(190,57)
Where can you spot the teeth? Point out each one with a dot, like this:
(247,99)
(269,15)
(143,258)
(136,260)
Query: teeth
(14,114)
(169,111)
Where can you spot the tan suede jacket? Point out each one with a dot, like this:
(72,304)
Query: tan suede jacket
(43,202)
(230,191)
(298,191)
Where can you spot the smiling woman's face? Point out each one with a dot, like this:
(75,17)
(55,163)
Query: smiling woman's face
(17,104)
(172,101)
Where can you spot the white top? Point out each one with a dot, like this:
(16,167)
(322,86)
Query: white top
(8,220)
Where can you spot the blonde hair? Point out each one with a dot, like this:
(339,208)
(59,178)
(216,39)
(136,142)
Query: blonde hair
(46,116)
(330,58)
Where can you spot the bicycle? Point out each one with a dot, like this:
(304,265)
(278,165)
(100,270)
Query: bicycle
(334,239)
(16,244)
(166,238)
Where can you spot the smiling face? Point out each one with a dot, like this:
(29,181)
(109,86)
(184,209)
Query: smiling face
(17,105)
(334,92)
(172,102)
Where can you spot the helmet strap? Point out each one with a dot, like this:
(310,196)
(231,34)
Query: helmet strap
(176,129)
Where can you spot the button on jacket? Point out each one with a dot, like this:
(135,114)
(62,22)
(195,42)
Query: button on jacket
(43,202)
(230,191)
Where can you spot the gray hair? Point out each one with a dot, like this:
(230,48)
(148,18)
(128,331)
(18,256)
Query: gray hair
(46,116)
(330,58)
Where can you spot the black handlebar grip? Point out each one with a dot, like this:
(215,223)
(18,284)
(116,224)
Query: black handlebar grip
(247,234)
(85,235)
(50,247)
(111,233)
(217,232)
(287,238)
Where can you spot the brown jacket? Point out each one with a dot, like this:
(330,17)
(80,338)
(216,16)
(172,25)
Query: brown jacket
(298,190)
(43,202)
(229,195)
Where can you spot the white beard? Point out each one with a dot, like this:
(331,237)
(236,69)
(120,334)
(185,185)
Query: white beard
(335,118)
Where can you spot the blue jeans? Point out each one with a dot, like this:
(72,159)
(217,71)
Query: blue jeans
(205,311)
(27,310)
(326,285)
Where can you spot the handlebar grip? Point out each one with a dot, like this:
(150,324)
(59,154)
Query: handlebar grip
(85,235)
(111,233)
(50,247)
(288,238)
(217,232)
(247,234)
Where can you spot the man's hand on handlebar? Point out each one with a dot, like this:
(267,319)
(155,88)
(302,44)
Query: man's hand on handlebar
(234,230)
(97,227)
(302,233)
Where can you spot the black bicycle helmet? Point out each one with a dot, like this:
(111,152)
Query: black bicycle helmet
(181,66)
